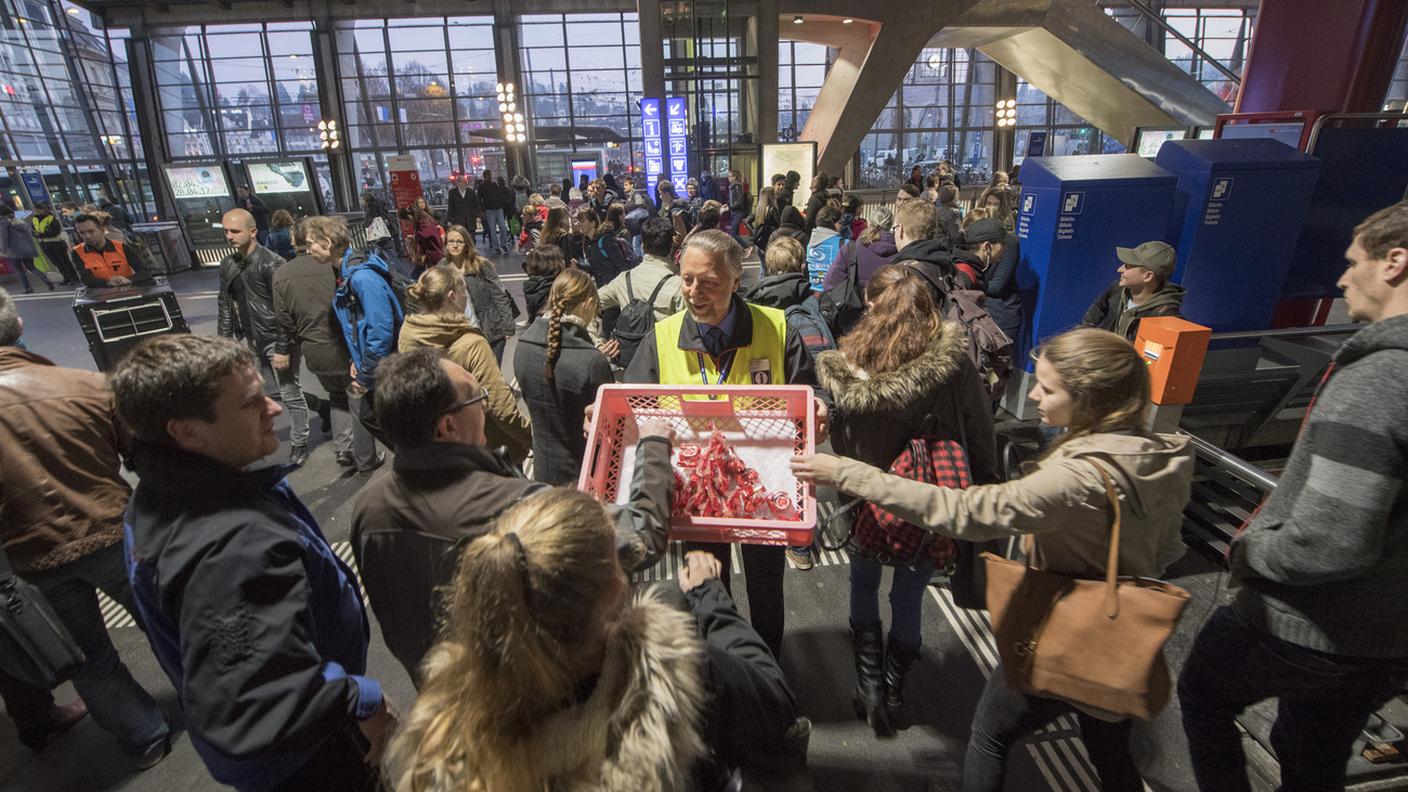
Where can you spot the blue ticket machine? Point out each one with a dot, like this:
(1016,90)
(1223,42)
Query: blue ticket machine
(1073,213)
(1238,214)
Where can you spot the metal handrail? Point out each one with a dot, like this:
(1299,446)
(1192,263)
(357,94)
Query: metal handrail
(1187,42)
(1289,332)
(1240,468)
(1319,124)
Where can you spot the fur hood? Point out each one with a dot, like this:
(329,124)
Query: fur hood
(855,390)
(640,728)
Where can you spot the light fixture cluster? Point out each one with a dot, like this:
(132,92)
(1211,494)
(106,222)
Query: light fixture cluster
(1007,112)
(515,130)
(327,133)
(797,20)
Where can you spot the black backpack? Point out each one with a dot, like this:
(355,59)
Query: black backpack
(608,258)
(842,305)
(637,320)
(806,321)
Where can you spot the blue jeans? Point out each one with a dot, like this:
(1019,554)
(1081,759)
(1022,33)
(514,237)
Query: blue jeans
(1005,716)
(906,597)
(497,225)
(1324,701)
(115,700)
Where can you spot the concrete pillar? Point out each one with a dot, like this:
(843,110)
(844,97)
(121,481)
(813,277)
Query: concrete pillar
(1305,56)
(519,158)
(1004,138)
(344,178)
(154,150)
(765,25)
(652,50)
(871,62)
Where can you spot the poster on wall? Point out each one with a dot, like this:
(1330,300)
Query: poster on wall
(784,157)
(405,185)
(278,177)
(198,181)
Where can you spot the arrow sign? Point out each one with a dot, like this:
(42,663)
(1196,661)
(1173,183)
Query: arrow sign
(675,107)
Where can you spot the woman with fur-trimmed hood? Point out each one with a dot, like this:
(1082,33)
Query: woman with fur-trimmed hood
(551,677)
(902,372)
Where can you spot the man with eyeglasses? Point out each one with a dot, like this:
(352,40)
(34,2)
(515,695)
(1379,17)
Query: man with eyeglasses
(445,488)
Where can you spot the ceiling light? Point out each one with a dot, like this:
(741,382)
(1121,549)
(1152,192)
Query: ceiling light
(71,11)
(518,117)
(508,87)
(499,87)
(847,21)
(797,20)
(502,107)
(511,106)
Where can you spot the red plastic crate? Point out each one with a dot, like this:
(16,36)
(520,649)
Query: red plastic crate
(766,424)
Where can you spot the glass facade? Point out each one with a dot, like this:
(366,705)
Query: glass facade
(582,87)
(425,86)
(422,86)
(66,107)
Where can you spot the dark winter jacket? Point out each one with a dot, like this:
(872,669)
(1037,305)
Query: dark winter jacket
(17,239)
(1112,311)
(257,623)
(409,525)
(783,290)
(763,233)
(932,261)
(950,223)
(281,242)
(303,293)
(464,209)
(246,300)
(432,245)
(368,311)
(1004,302)
(557,407)
(535,293)
(870,258)
(1326,557)
(814,204)
(253,204)
(969,270)
(61,490)
(938,394)
(491,197)
(793,225)
(493,305)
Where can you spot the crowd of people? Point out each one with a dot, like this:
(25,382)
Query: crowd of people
(507,596)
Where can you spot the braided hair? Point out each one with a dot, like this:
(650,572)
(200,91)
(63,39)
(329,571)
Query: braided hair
(573,292)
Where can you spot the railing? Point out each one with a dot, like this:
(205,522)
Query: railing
(1145,11)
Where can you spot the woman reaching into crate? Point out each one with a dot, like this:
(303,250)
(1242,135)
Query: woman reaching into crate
(901,375)
(550,676)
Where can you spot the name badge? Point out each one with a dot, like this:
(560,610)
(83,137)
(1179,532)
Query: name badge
(760,371)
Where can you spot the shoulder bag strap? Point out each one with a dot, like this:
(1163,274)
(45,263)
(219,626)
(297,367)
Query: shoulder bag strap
(1112,564)
(630,293)
(658,287)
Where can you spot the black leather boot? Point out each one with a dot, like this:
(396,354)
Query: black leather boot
(899,658)
(869,697)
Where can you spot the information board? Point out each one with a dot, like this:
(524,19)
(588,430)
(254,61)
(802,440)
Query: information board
(651,127)
(405,185)
(34,185)
(677,141)
(199,181)
(278,177)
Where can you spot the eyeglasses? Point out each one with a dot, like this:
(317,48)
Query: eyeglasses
(475,399)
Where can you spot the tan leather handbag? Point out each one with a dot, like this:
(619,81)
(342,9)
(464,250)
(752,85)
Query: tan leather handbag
(1091,642)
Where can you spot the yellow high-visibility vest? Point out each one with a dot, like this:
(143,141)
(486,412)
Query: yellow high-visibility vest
(759,363)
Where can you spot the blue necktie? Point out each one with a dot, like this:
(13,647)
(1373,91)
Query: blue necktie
(714,341)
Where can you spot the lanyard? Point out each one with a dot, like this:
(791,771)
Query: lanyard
(724,369)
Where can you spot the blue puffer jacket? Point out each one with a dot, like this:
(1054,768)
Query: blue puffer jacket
(369,312)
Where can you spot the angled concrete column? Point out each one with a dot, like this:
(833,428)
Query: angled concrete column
(154,145)
(652,49)
(871,61)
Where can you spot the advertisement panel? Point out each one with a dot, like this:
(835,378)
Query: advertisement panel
(785,157)
(197,181)
(278,177)
(405,184)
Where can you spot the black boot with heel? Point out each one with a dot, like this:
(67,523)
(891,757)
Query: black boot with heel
(899,659)
(869,698)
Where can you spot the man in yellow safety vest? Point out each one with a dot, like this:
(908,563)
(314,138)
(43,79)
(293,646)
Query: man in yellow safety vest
(721,340)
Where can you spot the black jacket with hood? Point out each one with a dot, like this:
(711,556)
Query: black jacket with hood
(1111,310)
(793,225)
(933,261)
(780,291)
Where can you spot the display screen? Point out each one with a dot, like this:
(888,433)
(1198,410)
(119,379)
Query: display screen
(1147,142)
(277,177)
(197,181)
(1287,132)
(582,168)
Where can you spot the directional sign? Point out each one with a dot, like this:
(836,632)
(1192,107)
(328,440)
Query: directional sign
(654,148)
(677,114)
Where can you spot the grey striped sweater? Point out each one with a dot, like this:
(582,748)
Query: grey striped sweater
(1324,565)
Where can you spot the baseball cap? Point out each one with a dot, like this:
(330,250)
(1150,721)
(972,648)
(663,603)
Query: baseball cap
(1157,257)
(988,229)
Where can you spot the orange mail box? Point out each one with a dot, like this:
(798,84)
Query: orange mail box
(1174,350)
